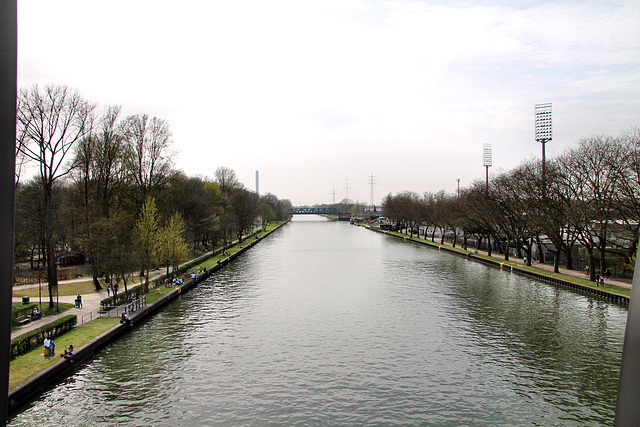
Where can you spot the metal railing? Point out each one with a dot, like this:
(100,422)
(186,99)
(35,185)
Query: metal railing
(117,310)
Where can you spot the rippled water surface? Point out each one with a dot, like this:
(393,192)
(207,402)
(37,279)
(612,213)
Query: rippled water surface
(324,323)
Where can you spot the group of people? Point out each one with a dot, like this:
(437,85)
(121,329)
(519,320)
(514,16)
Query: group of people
(174,282)
(35,313)
(115,289)
(599,277)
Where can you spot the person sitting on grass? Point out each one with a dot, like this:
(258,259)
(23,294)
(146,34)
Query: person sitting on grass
(68,353)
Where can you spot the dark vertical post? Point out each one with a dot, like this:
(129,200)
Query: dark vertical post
(8,87)
(544,162)
(628,409)
(487,179)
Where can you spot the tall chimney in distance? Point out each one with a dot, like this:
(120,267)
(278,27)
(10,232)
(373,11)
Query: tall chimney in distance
(258,183)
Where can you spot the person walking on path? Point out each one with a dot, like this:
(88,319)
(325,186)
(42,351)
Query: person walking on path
(79,301)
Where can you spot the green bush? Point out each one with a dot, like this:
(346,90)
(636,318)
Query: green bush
(27,342)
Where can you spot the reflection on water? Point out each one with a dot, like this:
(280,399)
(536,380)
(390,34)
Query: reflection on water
(326,323)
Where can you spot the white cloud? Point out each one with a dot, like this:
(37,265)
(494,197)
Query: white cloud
(315,92)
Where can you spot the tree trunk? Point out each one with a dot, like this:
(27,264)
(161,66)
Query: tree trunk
(540,253)
(52,268)
(603,249)
(569,258)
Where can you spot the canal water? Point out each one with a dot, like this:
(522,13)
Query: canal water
(324,323)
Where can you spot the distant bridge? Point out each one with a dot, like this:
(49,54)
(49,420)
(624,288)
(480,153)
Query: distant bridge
(305,210)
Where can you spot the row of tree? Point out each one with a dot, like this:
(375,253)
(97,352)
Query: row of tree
(587,197)
(104,185)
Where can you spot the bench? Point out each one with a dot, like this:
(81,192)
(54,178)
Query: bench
(22,320)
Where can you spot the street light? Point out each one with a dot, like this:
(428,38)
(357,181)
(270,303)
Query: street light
(544,131)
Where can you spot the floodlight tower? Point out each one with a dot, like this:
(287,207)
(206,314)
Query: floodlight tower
(487,160)
(544,131)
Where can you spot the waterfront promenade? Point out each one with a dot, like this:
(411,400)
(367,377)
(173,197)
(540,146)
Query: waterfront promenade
(543,268)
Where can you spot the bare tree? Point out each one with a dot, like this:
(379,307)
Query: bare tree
(99,175)
(629,184)
(50,122)
(149,159)
(592,171)
(244,205)
(226,179)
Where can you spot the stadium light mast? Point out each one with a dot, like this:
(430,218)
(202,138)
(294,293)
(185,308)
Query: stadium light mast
(544,131)
(487,156)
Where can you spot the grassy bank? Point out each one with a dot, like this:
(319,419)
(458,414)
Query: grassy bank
(25,367)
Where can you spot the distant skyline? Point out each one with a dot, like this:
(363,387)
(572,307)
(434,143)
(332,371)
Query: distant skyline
(312,93)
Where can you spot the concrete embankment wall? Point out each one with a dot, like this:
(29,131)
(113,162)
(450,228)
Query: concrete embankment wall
(25,391)
(620,299)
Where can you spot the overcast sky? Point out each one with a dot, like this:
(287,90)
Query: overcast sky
(321,95)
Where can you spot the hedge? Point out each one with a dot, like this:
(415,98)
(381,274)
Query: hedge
(32,339)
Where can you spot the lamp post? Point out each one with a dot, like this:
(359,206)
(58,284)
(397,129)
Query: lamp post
(544,132)
(458,189)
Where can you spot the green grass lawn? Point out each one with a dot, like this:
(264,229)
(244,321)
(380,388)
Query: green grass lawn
(45,307)
(25,367)
(65,289)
